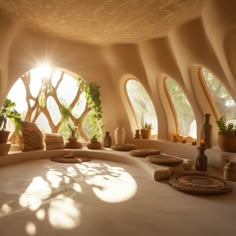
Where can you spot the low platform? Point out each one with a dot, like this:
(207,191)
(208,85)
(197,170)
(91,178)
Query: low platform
(113,194)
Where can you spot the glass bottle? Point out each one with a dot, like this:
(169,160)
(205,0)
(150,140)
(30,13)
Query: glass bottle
(107,140)
(206,131)
(201,160)
(137,134)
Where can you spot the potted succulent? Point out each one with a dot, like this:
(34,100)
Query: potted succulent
(226,136)
(146,130)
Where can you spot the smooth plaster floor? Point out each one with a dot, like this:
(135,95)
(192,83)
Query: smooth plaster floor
(101,197)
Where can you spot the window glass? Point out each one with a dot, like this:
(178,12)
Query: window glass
(185,116)
(141,104)
(53,102)
(223,101)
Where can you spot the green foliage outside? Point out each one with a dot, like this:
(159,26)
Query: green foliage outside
(45,90)
(224,102)
(142,104)
(94,118)
(182,107)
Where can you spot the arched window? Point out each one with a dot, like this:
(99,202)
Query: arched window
(183,113)
(55,100)
(141,103)
(221,101)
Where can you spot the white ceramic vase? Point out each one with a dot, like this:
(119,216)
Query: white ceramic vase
(119,135)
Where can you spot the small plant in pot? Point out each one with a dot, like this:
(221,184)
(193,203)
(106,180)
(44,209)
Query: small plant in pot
(94,143)
(94,139)
(72,140)
(8,112)
(146,130)
(226,136)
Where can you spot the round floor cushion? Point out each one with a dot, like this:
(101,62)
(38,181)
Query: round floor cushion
(162,159)
(123,147)
(144,152)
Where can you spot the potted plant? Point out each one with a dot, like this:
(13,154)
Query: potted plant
(94,143)
(146,130)
(226,136)
(72,140)
(8,111)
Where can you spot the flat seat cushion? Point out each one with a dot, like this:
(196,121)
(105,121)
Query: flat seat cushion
(163,159)
(144,152)
(123,147)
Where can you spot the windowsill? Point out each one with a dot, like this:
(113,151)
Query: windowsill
(216,157)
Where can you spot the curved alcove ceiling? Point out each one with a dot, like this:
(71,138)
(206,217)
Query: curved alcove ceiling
(103,21)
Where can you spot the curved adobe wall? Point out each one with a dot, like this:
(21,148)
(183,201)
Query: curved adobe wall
(206,41)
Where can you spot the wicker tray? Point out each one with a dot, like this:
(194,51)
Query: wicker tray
(199,183)
(70,158)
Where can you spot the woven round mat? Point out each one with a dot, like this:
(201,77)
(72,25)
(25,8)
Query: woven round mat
(123,147)
(165,160)
(70,158)
(199,183)
(144,152)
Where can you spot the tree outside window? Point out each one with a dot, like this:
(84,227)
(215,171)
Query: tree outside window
(223,101)
(143,108)
(185,116)
(56,100)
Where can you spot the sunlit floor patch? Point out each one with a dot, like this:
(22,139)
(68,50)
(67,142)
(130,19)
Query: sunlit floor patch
(109,183)
(64,213)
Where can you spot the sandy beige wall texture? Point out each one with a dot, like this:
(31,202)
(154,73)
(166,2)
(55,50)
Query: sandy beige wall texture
(207,41)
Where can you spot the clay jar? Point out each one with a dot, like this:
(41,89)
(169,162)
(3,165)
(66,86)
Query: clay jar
(227,142)
(119,135)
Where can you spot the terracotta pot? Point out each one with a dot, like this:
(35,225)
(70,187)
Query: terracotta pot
(93,140)
(145,133)
(4,148)
(4,136)
(96,145)
(227,142)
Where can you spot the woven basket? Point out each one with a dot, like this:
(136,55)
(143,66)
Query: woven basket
(199,183)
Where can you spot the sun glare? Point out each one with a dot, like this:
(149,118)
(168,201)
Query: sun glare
(44,70)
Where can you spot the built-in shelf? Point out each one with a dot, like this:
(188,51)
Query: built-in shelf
(216,157)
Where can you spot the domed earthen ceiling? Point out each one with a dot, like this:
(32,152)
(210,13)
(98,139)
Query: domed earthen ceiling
(103,21)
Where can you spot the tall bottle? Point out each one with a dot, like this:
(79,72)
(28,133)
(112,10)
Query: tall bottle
(206,131)
(107,140)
